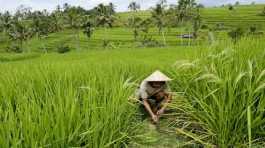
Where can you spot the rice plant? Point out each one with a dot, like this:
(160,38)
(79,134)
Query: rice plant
(223,101)
(82,100)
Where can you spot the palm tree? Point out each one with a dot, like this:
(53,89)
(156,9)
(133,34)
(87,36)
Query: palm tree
(75,18)
(6,23)
(88,28)
(196,22)
(1,24)
(104,19)
(144,27)
(134,21)
(36,23)
(56,19)
(111,9)
(184,8)
(133,6)
(41,25)
(159,17)
(20,32)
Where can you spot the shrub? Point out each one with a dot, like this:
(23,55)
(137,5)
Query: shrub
(230,7)
(150,42)
(252,29)
(236,34)
(204,26)
(63,48)
(260,33)
(14,48)
(105,43)
(220,26)
(18,57)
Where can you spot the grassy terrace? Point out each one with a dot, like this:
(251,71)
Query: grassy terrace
(85,98)
(120,38)
(244,15)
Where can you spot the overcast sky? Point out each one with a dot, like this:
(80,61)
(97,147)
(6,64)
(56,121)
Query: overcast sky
(121,5)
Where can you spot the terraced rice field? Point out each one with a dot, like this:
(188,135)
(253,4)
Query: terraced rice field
(86,98)
(243,15)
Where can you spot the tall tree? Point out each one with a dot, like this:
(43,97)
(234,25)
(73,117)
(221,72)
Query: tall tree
(88,28)
(75,19)
(159,17)
(196,22)
(111,9)
(134,21)
(37,23)
(56,17)
(105,19)
(23,12)
(184,9)
(20,32)
(144,28)
(6,24)
(6,21)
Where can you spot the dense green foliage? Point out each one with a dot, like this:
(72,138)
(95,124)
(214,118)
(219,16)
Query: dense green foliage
(223,96)
(74,100)
(85,97)
(86,34)
(243,15)
(79,99)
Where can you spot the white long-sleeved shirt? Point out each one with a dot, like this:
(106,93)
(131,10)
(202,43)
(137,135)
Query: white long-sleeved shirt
(146,90)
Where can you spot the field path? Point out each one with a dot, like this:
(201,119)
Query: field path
(157,136)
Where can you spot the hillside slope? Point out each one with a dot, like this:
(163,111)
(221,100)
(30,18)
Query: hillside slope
(244,15)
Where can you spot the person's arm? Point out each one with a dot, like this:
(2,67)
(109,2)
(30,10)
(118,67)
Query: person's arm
(165,104)
(148,108)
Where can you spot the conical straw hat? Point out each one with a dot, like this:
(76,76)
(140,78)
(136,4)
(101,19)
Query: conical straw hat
(157,76)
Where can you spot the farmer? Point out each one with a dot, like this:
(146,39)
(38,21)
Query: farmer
(154,95)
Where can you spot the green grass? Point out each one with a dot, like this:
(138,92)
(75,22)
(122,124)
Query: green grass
(119,38)
(84,98)
(122,37)
(76,99)
(17,57)
(223,96)
(243,15)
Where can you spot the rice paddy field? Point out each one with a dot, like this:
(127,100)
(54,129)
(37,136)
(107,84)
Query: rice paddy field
(85,98)
(241,15)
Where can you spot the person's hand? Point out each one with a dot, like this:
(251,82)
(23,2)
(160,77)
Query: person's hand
(155,118)
(160,112)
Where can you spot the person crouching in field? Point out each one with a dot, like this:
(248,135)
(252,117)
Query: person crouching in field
(154,95)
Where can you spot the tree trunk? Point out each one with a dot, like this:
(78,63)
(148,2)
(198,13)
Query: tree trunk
(135,34)
(105,37)
(77,39)
(6,37)
(164,38)
(189,37)
(181,34)
(105,33)
(134,27)
(21,44)
(44,45)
